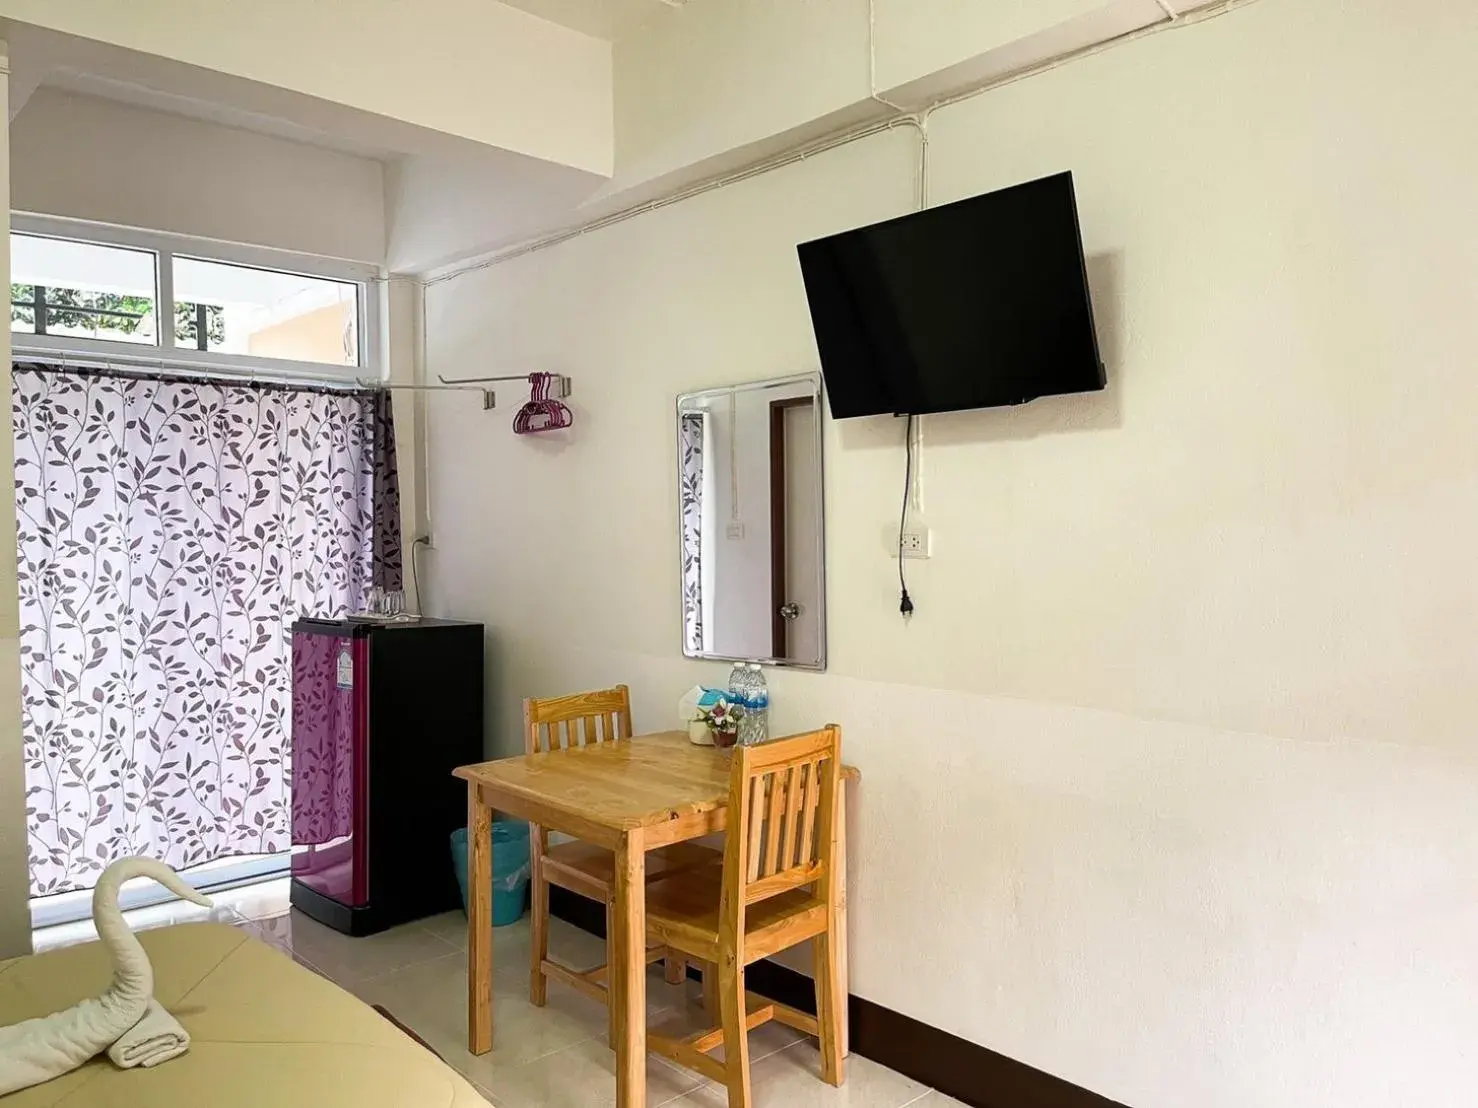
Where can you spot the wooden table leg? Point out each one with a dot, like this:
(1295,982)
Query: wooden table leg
(843,978)
(479,923)
(628,979)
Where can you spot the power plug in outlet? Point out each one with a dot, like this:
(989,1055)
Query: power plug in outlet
(916,542)
(735,531)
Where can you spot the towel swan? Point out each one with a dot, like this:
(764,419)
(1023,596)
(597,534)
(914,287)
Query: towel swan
(38,1050)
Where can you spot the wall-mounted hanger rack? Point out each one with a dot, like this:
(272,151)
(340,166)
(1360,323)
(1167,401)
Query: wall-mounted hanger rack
(562,386)
(489,400)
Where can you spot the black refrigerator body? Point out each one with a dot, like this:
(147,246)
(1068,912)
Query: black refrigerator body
(381,715)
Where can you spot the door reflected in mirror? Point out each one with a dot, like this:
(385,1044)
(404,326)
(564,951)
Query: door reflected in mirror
(751,513)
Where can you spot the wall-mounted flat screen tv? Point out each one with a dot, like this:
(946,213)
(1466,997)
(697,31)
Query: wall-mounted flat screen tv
(973,304)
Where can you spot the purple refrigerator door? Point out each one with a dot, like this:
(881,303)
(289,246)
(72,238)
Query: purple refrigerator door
(328,762)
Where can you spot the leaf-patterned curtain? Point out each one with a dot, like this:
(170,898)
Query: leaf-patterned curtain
(169,534)
(690,512)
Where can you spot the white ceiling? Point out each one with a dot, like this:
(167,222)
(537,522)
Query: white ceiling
(445,195)
(601,18)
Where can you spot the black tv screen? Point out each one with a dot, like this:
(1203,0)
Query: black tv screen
(968,305)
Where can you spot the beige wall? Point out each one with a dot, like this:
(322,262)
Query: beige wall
(915,39)
(715,76)
(15,883)
(1168,788)
(476,69)
(317,336)
(86,158)
(701,82)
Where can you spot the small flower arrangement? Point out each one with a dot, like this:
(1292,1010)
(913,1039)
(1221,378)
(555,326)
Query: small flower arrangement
(722,719)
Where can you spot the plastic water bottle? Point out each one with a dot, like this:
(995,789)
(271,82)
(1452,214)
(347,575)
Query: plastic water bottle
(739,693)
(757,710)
(738,683)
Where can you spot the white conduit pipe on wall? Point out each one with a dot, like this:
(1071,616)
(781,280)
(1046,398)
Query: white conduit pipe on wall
(832,142)
(919,120)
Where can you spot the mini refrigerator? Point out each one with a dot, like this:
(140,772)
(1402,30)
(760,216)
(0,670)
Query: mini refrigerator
(381,715)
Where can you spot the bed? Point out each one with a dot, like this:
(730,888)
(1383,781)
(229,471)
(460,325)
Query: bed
(267,1033)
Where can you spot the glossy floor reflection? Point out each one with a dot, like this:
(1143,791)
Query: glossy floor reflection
(551,1057)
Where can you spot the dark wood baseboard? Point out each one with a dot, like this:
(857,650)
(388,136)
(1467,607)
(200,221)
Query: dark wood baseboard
(957,1067)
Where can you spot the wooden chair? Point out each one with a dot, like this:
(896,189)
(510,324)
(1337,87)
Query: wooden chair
(561,723)
(778,887)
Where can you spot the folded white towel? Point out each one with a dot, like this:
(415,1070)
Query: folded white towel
(156,1038)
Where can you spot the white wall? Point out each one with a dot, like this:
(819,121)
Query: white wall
(15,917)
(1177,753)
(439,209)
(915,39)
(87,158)
(472,68)
(709,79)
(715,76)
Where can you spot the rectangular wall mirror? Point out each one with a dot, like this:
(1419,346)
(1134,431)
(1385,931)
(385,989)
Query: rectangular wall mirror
(751,515)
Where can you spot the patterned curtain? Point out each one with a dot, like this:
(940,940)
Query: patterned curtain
(690,512)
(387,568)
(169,534)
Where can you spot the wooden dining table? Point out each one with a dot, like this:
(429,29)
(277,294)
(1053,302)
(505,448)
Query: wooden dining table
(631,796)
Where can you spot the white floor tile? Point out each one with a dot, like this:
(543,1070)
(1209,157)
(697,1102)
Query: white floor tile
(451,927)
(260,901)
(581,1076)
(792,1079)
(349,960)
(543,1057)
(140,919)
(431,998)
(937,1100)
(765,1040)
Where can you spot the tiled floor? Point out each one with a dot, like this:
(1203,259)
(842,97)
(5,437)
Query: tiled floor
(551,1057)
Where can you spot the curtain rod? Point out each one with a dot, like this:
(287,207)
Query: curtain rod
(158,371)
(562,386)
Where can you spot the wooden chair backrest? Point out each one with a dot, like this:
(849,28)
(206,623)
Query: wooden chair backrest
(782,825)
(566,722)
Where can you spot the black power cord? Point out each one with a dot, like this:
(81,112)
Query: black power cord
(420,540)
(905,605)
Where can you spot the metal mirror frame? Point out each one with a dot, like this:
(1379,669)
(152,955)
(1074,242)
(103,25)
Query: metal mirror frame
(685,403)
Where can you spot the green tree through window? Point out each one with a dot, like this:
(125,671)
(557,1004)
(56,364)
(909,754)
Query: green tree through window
(102,311)
(107,311)
(186,317)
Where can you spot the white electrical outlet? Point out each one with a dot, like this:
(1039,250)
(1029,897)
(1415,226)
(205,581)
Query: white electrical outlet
(735,531)
(915,542)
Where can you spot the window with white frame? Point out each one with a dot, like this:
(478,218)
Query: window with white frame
(111,292)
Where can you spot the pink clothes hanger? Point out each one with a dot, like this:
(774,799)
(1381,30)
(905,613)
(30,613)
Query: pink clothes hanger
(542,412)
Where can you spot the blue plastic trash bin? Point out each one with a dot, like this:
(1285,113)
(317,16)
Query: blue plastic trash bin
(510,868)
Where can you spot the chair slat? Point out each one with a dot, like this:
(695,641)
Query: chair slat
(808,815)
(793,817)
(774,832)
(783,810)
(756,823)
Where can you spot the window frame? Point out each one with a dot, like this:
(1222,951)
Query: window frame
(369,280)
